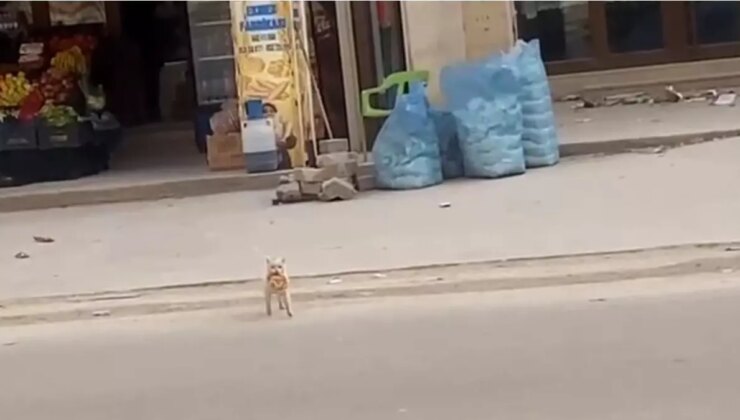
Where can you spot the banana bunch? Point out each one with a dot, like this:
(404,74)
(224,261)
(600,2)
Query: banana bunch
(13,89)
(70,61)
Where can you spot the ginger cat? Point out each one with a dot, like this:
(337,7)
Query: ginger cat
(277,283)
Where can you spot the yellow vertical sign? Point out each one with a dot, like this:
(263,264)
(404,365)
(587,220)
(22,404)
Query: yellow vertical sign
(263,35)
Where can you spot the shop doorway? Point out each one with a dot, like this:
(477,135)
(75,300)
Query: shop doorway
(584,36)
(378,33)
(327,64)
(158,33)
(146,69)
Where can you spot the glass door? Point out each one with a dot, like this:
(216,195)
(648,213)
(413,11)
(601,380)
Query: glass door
(714,28)
(633,26)
(380,52)
(595,35)
(563,28)
(387,38)
(213,51)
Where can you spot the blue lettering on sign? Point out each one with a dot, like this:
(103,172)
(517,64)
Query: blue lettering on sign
(265,24)
(261,18)
(266,9)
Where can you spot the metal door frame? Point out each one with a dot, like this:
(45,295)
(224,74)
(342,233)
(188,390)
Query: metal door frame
(350,80)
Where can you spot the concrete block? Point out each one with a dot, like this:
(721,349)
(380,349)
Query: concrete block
(366,168)
(365,182)
(289,193)
(339,165)
(337,189)
(312,189)
(329,159)
(286,179)
(341,170)
(327,146)
(312,174)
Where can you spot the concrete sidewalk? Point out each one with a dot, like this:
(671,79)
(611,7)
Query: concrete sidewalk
(687,195)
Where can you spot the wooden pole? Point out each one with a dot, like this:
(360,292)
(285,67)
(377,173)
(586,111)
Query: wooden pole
(301,132)
(309,72)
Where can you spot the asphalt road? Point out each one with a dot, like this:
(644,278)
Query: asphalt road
(650,349)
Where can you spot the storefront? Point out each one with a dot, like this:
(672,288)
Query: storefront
(167,67)
(165,63)
(583,36)
(351,46)
(163,66)
(55,124)
(582,40)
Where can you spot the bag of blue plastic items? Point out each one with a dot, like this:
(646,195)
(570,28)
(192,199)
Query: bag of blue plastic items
(406,150)
(449,145)
(539,136)
(484,98)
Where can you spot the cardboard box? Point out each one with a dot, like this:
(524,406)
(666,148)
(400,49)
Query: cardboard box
(225,152)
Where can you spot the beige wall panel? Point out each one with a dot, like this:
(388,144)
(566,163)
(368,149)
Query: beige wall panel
(488,27)
(434,38)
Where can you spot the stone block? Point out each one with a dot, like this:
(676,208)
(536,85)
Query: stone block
(312,174)
(289,193)
(327,146)
(337,189)
(311,189)
(339,165)
(365,182)
(286,179)
(366,168)
(329,159)
(342,170)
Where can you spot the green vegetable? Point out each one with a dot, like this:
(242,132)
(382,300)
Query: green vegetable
(8,113)
(58,115)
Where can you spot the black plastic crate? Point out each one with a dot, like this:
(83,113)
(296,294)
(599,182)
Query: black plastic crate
(71,135)
(18,135)
(106,132)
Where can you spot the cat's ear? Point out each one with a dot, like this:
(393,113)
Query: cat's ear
(268,260)
(281,261)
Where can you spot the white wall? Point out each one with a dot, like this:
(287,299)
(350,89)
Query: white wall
(434,37)
(488,27)
(438,33)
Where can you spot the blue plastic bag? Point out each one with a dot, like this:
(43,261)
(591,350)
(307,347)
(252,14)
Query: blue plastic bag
(406,150)
(539,137)
(484,98)
(449,145)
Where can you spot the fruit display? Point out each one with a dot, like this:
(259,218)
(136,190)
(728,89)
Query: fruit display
(31,105)
(71,61)
(56,85)
(13,88)
(58,115)
(8,114)
(56,97)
